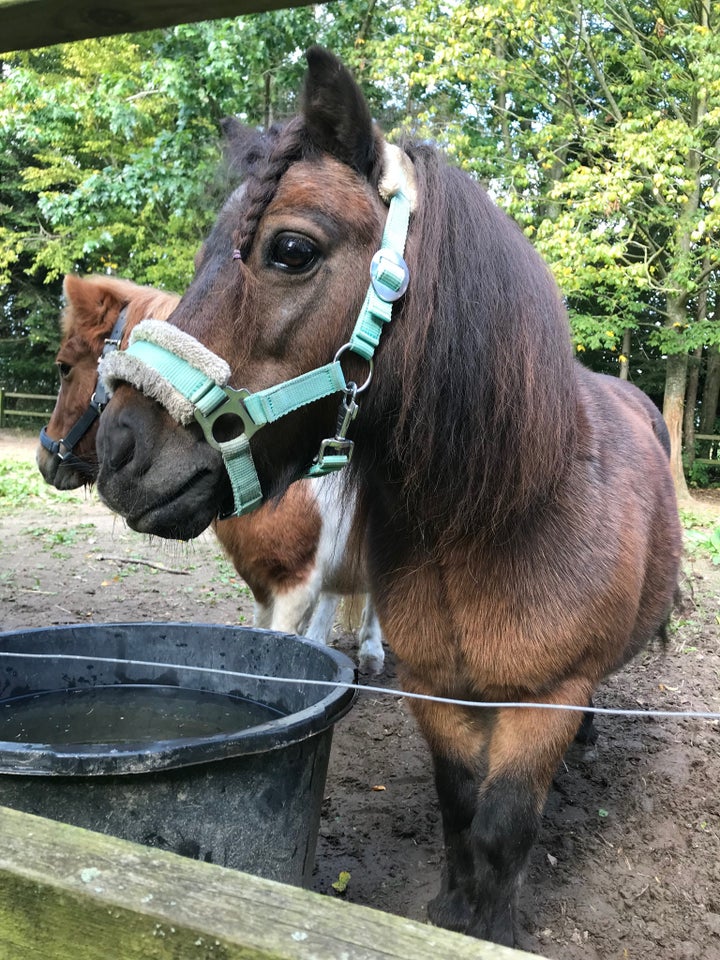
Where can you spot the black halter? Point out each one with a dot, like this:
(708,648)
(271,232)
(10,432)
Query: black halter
(64,449)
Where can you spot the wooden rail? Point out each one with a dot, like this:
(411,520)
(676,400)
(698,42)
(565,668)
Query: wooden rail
(36,23)
(69,894)
(713,458)
(6,411)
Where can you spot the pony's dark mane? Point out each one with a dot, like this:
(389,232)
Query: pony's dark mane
(477,364)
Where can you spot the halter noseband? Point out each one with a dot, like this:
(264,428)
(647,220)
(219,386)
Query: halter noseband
(189,380)
(64,449)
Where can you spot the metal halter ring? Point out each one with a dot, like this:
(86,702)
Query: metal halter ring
(366,384)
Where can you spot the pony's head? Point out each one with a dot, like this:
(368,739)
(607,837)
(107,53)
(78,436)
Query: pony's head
(456,405)
(277,286)
(93,306)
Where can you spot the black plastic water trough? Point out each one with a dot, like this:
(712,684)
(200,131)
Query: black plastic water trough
(246,797)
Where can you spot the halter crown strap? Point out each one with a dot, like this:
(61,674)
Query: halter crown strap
(389,277)
(191,381)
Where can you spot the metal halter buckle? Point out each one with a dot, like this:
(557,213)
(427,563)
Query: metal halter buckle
(339,445)
(232,406)
(387,264)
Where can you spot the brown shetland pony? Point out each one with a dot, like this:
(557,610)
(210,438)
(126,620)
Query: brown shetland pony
(293,555)
(523,532)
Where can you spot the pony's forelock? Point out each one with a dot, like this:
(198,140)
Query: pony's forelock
(283,146)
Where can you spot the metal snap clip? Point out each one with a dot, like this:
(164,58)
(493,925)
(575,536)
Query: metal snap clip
(389,275)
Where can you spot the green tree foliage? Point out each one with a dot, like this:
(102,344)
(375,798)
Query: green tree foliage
(111,156)
(597,127)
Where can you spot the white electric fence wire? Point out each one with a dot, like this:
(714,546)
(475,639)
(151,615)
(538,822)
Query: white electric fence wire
(385,691)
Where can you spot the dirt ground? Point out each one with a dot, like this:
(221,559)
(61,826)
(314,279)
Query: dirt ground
(627,866)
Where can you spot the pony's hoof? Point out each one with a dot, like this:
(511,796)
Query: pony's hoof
(451,911)
(371,663)
(500,934)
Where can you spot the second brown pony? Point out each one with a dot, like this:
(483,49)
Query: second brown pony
(293,555)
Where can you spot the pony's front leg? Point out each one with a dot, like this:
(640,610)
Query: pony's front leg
(492,777)
(291,608)
(263,614)
(371,655)
(456,786)
(489,831)
(322,620)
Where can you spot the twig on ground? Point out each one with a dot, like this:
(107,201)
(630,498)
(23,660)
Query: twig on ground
(146,563)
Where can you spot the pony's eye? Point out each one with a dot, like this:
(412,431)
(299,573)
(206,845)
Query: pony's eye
(293,252)
(64,369)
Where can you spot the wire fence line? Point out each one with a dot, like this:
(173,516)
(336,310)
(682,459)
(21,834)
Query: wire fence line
(384,691)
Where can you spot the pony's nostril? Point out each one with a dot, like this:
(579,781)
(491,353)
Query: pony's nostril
(119,447)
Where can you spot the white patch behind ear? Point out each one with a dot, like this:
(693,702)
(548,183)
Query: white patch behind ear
(398,174)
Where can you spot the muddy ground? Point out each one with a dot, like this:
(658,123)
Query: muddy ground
(627,866)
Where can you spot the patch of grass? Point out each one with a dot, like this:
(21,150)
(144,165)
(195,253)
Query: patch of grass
(706,542)
(227,576)
(702,537)
(64,536)
(22,485)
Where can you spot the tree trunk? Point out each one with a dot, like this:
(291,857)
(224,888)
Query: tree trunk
(267,100)
(691,392)
(625,358)
(501,105)
(367,20)
(710,391)
(675,377)
(677,309)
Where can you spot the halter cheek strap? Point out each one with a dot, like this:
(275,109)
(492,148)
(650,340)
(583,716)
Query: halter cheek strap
(191,381)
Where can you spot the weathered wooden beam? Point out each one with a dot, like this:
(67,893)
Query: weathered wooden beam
(25,24)
(69,894)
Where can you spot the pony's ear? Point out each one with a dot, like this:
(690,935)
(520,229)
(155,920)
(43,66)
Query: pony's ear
(243,147)
(336,115)
(88,302)
(81,303)
(73,288)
